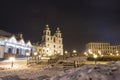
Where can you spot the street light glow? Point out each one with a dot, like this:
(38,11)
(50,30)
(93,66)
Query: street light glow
(99,52)
(90,51)
(74,51)
(27,54)
(85,53)
(117,54)
(11,58)
(95,56)
(35,53)
(66,52)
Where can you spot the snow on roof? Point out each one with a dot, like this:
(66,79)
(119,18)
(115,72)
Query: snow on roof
(4,33)
(3,38)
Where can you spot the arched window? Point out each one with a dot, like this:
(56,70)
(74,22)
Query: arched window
(17,52)
(48,45)
(48,39)
(54,40)
(59,41)
(10,50)
(48,33)
(54,46)
(59,46)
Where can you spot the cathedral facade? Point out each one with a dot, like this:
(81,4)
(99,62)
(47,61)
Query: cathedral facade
(50,44)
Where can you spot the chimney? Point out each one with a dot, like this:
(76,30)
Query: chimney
(21,35)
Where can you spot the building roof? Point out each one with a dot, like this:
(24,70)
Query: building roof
(4,33)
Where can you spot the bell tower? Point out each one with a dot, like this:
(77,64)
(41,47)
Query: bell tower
(58,33)
(46,34)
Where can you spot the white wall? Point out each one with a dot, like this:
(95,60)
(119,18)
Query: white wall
(2,48)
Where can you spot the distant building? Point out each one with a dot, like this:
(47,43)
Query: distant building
(102,48)
(13,44)
(50,44)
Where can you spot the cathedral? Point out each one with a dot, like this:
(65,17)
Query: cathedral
(50,44)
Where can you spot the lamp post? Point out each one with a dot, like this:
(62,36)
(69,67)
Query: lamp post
(39,58)
(11,59)
(95,57)
(27,54)
(66,54)
(35,54)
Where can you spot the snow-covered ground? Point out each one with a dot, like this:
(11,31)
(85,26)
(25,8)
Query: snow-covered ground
(20,71)
(110,71)
(30,73)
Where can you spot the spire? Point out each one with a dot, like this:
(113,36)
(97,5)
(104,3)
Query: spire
(58,30)
(47,27)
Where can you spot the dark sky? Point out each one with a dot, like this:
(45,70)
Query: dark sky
(81,21)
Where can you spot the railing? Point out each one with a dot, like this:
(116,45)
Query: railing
(70,65)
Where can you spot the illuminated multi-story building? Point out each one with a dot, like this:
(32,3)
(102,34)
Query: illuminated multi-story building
(102,48)
(13,44)
(50,44)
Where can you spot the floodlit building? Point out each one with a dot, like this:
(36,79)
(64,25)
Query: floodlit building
(13,44)
(102,48)
(50,44)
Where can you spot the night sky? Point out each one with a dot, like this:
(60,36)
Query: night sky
(80,22)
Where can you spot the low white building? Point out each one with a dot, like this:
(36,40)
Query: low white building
(102,48)
(13,44)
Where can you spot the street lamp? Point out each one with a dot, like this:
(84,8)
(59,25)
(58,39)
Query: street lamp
(66,52)
(27,54)
(35,53)
(95,57)
(39,58)
(74,52)
(11,59)
(85,53)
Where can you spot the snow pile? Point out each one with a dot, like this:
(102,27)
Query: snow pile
(110,71)
(36,72)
